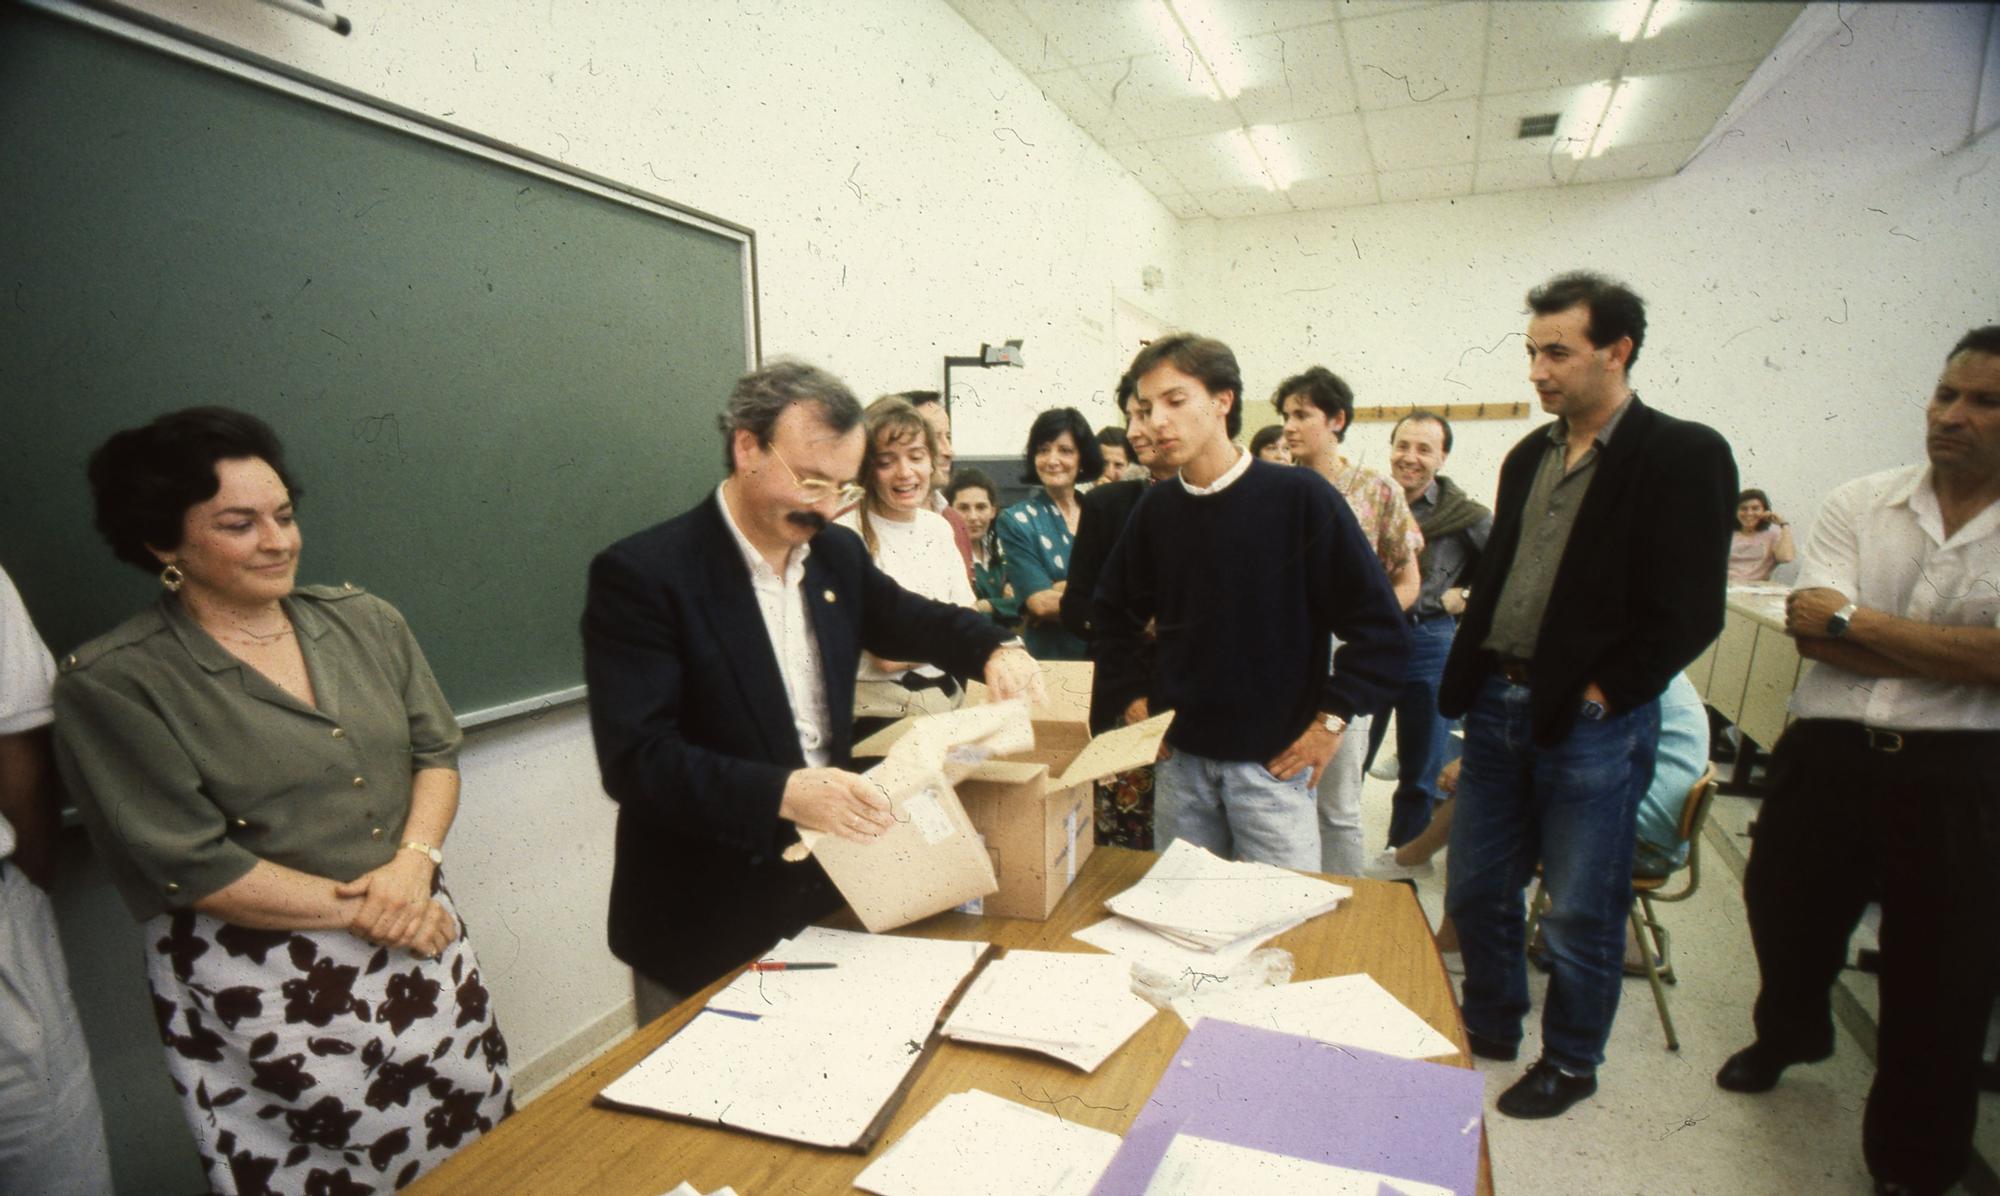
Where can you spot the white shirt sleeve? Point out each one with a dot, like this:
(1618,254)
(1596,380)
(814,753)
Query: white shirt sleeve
(27,671)
(1831,557)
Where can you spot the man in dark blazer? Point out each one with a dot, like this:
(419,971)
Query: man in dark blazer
(721,648)
(1604,577)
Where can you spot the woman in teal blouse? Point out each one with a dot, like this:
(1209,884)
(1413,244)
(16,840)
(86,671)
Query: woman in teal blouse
(1036,532)
(971,495)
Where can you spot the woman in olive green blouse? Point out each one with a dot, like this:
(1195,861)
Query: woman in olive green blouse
(269,771)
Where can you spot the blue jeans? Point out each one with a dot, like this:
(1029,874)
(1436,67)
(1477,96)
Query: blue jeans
(1236,810)
(1574,809)
(1423,736)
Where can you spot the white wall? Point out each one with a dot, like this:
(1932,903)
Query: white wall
(1805,276)
(912,196)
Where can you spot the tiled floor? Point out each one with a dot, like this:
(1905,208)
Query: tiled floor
(1658,1124)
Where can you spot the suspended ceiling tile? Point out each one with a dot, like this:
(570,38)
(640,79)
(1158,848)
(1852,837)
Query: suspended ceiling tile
(1708,34)
(1183,205)
(1092,31)
(1341,192)
(1146,166)
(1500,122)
(1244,201)
(1435,182)
(1677,107)
(1158,95)
(1540,45)
(1440,133)
(1091,111)
(1424,55)
(1523,174)
(1000,23)
(1294,75)
(1355,10)
(1205,162)
(1635,162)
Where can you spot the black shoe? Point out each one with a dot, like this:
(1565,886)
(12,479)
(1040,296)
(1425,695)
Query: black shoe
(1492,1048)
(1756,1068)
(1546,1091)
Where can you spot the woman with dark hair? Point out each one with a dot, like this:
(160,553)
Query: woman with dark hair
(1037,531)
(912,544)
(971,495)
(1763,540)
(1268,444)
(268,771)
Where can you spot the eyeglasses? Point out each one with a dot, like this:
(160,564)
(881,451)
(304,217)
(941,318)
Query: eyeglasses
(814,490)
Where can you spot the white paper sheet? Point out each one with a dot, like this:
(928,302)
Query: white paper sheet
(1351,1010)
(1075,1007)
(977,1144)
(1200,900)
(811,1056)
(1203,1167)
(886,978)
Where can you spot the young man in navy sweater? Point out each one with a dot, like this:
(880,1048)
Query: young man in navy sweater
(1243,571)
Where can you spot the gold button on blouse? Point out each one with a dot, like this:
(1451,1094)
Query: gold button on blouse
(361,782)
(339,733)
(376,833)
(242,823)
(172,888)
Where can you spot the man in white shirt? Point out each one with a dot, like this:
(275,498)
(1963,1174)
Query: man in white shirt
(1887,780)
(51,1131)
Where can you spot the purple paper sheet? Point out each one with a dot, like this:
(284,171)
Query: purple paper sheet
(1311,1100)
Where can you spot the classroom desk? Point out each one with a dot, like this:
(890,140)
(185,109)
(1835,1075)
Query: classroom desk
(562,1143)
(1748,674)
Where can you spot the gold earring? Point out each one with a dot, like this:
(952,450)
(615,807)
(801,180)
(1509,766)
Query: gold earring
(172,577)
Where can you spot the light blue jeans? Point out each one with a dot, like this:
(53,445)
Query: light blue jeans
(1236,810)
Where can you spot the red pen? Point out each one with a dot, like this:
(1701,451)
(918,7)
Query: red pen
(779,965)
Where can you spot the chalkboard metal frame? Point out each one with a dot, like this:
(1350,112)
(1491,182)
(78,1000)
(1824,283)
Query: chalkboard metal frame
(194,48)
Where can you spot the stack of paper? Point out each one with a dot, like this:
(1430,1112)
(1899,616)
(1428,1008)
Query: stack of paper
(814,1056)
(1350,1010)
(1200,901)
(977,1144)
(1200,1167)
(1077,1008)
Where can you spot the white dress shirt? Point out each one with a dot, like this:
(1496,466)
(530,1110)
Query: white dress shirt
(1229,475)
(1880,540)
(782,602)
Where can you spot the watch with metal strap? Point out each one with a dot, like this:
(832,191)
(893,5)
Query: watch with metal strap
(424,849)
(1836,623)
(1333,723)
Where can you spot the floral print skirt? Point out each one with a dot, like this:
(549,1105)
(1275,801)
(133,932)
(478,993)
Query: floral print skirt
(313,1061)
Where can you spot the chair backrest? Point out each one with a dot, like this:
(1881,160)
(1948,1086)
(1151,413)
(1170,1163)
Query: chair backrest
(1695,812)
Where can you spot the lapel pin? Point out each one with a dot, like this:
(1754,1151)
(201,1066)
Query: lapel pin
(829,596)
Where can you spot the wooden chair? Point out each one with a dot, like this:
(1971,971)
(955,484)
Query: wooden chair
(1655,943)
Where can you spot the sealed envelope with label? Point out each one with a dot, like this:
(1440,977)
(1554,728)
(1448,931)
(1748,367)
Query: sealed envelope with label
(932,859)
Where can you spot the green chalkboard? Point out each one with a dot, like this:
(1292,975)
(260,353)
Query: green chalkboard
(484,369)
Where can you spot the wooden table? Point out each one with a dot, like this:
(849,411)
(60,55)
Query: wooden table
(1748,675)
(562,1143)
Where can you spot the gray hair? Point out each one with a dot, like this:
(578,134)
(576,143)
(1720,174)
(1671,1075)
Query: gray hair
(761,396)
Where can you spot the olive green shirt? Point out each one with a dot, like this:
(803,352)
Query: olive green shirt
(1546,520)
(189,766)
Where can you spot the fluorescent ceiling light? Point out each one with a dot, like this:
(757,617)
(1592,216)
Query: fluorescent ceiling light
(1275,151)
(1624,97)
(1635,20)
(1602,113)
(1589,114)
(1211,40)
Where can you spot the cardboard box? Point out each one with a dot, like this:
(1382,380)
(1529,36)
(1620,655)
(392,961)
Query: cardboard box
(1035,809)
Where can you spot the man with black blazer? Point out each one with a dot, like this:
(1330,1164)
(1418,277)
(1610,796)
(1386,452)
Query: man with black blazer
(1604,577)
(721,648)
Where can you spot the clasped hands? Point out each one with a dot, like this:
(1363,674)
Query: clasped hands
(397,909)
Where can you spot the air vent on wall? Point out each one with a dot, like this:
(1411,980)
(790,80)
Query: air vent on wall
(1538,126)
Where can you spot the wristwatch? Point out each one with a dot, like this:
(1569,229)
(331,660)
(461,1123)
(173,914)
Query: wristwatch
(424,849)
(1836,623)
(1334,723)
